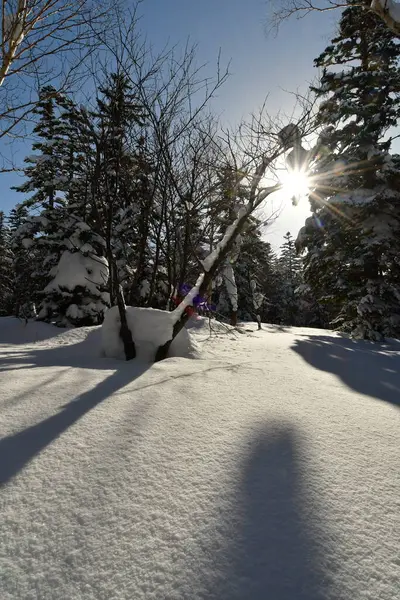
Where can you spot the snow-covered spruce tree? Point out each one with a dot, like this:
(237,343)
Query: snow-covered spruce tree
(26,260)
(69,268)
(45,170)
(37,246)
(79,159)
(352,241)
(6,268)
(77,292)
(290,275)
(40,233)
(113,180)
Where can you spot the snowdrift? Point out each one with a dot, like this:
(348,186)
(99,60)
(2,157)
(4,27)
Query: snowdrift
(150,329)
(266,470)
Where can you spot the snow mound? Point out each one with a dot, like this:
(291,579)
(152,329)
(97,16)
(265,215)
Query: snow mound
(150,329)
(17,331)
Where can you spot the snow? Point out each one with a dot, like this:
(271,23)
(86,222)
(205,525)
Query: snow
(75,269)
(213,256)
(150,329)
(188,299)
(358,197)
(266,469)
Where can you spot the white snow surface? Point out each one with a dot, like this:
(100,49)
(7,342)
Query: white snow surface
(267,469)
(150,329)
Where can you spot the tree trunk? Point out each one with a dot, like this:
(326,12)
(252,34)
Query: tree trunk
(235,229)
(124,331)
(206,281)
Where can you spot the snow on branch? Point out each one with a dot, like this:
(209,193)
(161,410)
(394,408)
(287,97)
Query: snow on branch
(209,261)
(188,300)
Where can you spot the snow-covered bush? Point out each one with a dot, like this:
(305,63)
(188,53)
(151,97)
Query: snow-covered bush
(151,328)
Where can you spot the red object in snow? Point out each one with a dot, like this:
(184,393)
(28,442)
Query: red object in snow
(189,310)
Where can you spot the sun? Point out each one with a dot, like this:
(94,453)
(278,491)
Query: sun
(295,184)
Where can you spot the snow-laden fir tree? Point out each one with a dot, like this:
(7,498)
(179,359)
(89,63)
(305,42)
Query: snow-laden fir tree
(6,268)
(68,269)
(46,169)
(117,177)
(290,277)
(44,189)
(77,292)
(26,260)
(352,240)
(254,274)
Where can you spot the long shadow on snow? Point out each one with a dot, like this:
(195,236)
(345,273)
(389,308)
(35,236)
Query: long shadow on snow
(84,354)
(369,368)
(273,553)
(19,449)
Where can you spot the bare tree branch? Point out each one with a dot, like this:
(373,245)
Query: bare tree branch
(44,42)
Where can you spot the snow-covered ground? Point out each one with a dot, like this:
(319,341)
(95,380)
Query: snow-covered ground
(268,469)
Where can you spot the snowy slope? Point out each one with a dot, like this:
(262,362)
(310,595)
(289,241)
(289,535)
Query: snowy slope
(266,470)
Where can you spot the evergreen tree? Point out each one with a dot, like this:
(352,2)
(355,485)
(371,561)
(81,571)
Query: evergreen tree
(6,268)
(66,255)
(46,171)
(290,276)
(27,261)
(40,234)
(117,177)
(77,291)
(352,239)
(254,274)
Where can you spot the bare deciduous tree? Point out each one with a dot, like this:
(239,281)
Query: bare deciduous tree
(256,148)
(43,42)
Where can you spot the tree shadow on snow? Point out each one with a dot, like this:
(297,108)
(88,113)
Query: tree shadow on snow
(274,328)
(84,354)
(17,450)
(274,554)
(369,368)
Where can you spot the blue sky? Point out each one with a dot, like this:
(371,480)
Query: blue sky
(260,65)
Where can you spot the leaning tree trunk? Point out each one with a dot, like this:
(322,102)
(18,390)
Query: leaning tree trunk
(216,261)
(202,285)
(124,331)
